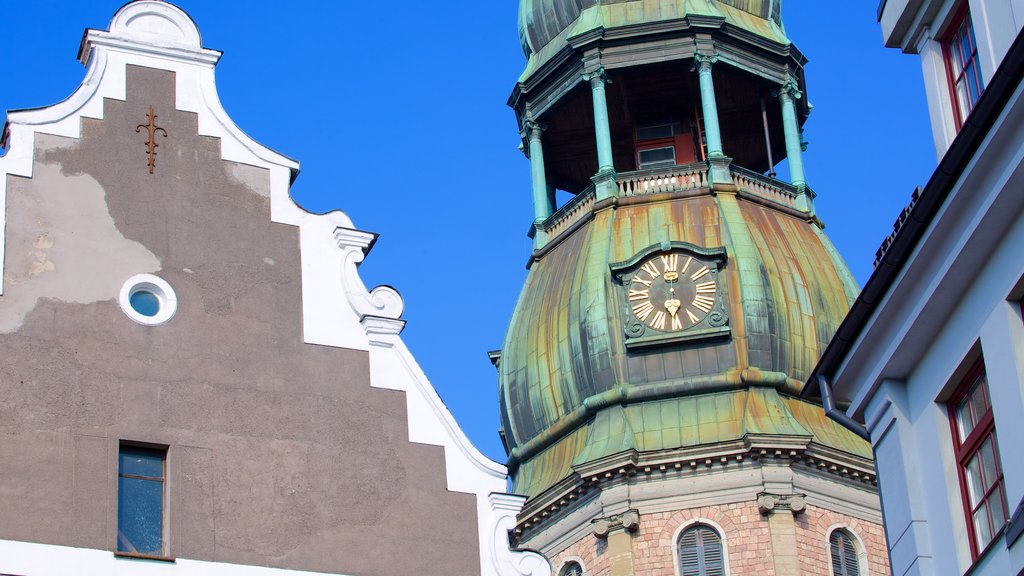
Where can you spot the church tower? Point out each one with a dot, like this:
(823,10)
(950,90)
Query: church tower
(675,303)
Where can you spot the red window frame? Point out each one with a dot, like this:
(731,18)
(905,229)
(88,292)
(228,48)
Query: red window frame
(963,68)
(966,449)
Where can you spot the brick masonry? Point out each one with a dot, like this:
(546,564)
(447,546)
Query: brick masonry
(747,540)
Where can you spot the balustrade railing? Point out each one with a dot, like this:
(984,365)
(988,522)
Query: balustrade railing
(766,187)
(570,212)
(676,179)
(667,179)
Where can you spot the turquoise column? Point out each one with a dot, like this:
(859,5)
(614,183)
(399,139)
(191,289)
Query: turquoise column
(712,131)
(601,126)
(541,199)
(788,95)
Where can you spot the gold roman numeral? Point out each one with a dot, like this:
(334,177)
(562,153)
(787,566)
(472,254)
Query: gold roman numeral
(703,302)
(699,273)
(693,319)
(647,283)
(638,295)
(677,324)
(670,261)
(706,287)
(643,310)
(686,265)
(651,269)
(659,320)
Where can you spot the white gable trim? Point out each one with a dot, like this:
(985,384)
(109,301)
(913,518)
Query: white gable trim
(337,308)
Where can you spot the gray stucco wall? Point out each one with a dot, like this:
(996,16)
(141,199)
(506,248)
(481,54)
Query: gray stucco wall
(280,453)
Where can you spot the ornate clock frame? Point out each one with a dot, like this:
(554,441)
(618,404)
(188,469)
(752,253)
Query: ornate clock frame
(652,311)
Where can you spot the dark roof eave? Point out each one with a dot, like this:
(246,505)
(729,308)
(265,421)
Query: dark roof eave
(964,147)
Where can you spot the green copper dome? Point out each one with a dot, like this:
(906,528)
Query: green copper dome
(545,25)
(571,389)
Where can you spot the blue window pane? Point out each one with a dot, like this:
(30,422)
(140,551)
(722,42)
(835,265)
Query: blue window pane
(140,516)
(141,462)
(145,302)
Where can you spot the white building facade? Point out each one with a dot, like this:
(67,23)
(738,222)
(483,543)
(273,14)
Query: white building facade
(929,364)
(283,430)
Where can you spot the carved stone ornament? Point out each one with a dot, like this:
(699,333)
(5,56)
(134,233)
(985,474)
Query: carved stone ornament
(788,90)
(671,292)
(703,62)
(596,78)
(769,503)
(628,521)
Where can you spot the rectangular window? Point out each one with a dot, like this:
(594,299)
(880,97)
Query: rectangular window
(657,157)
(960,50)
(978,463)
(140,500)
(662,143)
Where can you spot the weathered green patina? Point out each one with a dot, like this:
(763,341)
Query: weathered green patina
(565,368)
(546,25)
(721,419)
(577,402)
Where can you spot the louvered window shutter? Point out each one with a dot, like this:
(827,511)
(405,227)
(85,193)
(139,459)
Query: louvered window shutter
(572,569)
(844,555)
(700,553)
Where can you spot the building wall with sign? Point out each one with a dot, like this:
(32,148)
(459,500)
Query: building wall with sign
(931,358)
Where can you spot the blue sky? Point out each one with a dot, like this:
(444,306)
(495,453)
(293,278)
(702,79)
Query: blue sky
(397,114)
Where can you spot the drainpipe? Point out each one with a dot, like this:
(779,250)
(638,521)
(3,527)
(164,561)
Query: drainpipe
(844,420)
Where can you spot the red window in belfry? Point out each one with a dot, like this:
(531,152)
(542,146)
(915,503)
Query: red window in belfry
(978,463)
(963,69)
(663,143)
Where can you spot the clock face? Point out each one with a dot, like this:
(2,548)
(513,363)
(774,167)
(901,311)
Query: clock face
(672,292)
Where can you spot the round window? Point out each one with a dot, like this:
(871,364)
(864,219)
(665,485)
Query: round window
(148,299)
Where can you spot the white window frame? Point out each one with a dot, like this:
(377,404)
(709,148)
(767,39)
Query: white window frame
(159,288)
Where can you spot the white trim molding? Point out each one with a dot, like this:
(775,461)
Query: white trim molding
(393,367)
(45,559)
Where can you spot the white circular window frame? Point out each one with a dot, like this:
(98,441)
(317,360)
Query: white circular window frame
(158,287)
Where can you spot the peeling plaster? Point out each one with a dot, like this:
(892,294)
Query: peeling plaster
(62,244)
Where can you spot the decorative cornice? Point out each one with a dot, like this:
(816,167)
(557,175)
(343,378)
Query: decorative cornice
(636,467)
(133,27)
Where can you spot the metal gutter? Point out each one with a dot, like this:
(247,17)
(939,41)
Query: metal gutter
(906,238)
(829,403)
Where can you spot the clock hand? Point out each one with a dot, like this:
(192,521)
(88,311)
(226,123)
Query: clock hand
(672,305)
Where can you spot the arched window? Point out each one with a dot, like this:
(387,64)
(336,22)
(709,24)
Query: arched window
(700,552)
(571,569)
(845,561)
